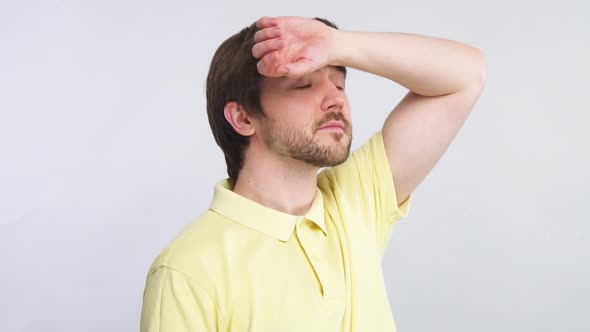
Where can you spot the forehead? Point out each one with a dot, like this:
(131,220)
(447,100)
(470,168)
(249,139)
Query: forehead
(336,71)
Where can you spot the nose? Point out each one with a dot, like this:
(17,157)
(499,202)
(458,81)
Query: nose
(333,99)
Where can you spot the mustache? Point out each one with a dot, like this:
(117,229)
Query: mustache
(336,116)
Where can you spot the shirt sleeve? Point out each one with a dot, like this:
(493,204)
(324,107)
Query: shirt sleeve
(364,189)
(174,303)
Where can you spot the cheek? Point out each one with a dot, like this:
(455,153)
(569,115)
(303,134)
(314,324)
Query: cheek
(347,111)
(290,112)
(277,105)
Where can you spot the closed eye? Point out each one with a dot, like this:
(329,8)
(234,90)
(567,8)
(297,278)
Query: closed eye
(309,85)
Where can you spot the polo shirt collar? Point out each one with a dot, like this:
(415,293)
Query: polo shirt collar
(266,220)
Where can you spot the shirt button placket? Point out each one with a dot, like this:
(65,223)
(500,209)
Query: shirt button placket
(309,241)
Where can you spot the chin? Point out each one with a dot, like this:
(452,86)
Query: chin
(338,162)
(338,158)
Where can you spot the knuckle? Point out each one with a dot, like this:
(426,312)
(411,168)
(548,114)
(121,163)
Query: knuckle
(256,51)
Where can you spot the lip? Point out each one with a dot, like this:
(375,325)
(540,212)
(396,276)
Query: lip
(333,125)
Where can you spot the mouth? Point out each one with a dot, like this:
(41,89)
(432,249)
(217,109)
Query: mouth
(332,128)
(333,125)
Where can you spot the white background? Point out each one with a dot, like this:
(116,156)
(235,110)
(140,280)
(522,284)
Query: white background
(106,154)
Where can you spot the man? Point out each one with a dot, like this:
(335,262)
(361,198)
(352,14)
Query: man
(283,248)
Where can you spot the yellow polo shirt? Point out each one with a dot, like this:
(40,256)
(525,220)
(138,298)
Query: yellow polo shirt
(241,266)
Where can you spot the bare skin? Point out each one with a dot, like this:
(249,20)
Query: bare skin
(303,91)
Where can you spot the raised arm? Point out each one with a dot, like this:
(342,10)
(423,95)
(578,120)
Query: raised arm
(445,79)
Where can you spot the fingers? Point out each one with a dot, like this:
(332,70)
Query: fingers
(268,65)
(259,50)
(266,40)
(267,33)
(265,22)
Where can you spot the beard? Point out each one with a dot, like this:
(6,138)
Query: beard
(300,144)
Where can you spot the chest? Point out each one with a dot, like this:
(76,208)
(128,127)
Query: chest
(313,282)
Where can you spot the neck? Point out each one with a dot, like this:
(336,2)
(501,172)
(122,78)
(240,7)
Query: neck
(280,183)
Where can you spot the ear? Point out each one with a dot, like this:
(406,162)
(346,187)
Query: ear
(239,119)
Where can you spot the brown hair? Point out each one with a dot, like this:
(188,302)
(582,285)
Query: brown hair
(233,76)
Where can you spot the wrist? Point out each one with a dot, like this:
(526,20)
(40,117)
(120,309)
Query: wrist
(337,56)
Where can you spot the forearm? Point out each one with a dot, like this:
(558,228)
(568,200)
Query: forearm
(428,66)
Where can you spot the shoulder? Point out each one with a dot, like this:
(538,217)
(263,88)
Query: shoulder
(363,186)
(364,163)
(198,250)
